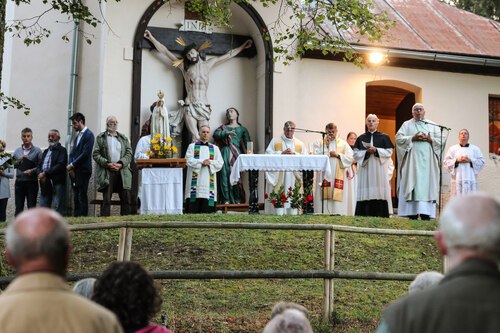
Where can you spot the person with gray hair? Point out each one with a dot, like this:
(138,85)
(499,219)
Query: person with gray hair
(468,297)
(112,155)
(424,281)
(290,320)
(38,299)
(52,174)
(85,287)
(372,153)
(203,160)
(418,145)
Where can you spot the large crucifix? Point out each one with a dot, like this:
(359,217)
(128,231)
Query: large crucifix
(194,67)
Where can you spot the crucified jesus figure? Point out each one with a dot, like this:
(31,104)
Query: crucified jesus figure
(195,70)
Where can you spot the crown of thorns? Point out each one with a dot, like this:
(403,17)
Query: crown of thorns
(206,44)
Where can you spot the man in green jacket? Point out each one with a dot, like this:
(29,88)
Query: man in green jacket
(467,299)
(113,154)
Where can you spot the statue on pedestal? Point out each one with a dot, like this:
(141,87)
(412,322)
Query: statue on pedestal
(159,118)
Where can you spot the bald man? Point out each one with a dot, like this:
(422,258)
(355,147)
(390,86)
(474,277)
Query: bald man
(38,299)
(468,298)
(113,154)
(418,146)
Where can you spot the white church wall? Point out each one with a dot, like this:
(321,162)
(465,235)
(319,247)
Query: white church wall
(314,92)
(38,75)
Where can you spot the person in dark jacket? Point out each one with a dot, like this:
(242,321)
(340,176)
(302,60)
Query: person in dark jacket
(467,299)
(52,174)
(80,164)
(26,159)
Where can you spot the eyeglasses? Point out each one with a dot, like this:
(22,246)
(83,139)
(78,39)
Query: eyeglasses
(418,109)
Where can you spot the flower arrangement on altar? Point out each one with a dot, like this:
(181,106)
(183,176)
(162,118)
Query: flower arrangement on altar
(277,197)
(161,147)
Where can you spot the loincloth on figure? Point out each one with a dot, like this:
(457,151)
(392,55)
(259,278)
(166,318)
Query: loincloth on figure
(198,111)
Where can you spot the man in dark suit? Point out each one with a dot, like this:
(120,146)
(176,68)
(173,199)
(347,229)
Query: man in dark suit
(80,164)
(52,174)
(468,298)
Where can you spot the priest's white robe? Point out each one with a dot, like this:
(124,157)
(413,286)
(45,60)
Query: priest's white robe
(274,179)
(343,162)
(464,175)
(204,172)
(418,169)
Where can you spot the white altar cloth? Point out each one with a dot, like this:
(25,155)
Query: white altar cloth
(161,191)
(268,162)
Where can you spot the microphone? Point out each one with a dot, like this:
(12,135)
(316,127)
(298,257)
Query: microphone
(428,123)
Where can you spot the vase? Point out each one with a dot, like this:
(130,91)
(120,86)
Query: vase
(280,211)
(293,211)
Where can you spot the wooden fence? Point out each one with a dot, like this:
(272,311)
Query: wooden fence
(328,274)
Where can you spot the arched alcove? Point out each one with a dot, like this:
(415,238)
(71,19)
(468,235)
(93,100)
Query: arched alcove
(391,101)
(263,75)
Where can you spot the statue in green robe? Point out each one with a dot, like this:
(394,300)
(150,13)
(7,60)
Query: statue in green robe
(232,140)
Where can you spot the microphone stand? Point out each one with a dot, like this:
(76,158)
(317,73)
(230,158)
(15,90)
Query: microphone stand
(323,134)
(441,146)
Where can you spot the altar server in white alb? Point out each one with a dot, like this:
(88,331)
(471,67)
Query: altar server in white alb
(419,145)
(334,194)
(464,162)
(372,152)
(285,144)
(203,160)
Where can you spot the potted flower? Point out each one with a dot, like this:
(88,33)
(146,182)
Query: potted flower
(308,200)
(295,198)
(277,199)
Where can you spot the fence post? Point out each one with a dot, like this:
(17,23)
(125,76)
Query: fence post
(128,245)
(125,244)
(332,268)
(326,289)
(121,244)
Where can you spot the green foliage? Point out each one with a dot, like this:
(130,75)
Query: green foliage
(328,26)
(486,8)
(7,102)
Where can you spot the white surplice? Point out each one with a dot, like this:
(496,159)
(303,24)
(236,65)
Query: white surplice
(374,175)
(330,206)
(464,175)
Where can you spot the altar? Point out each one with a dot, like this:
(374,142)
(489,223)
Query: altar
(161,186)
(267,162)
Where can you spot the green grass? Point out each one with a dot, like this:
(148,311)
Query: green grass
(244,305)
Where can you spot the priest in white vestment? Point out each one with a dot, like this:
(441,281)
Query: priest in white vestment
(372,152)
(203,160)
(464,162)
(419,145)
(331,198)
(288,145)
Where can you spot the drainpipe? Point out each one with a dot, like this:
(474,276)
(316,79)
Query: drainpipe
(71,108)
(72,82)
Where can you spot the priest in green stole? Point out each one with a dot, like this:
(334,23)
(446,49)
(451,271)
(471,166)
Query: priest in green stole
(203,161)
